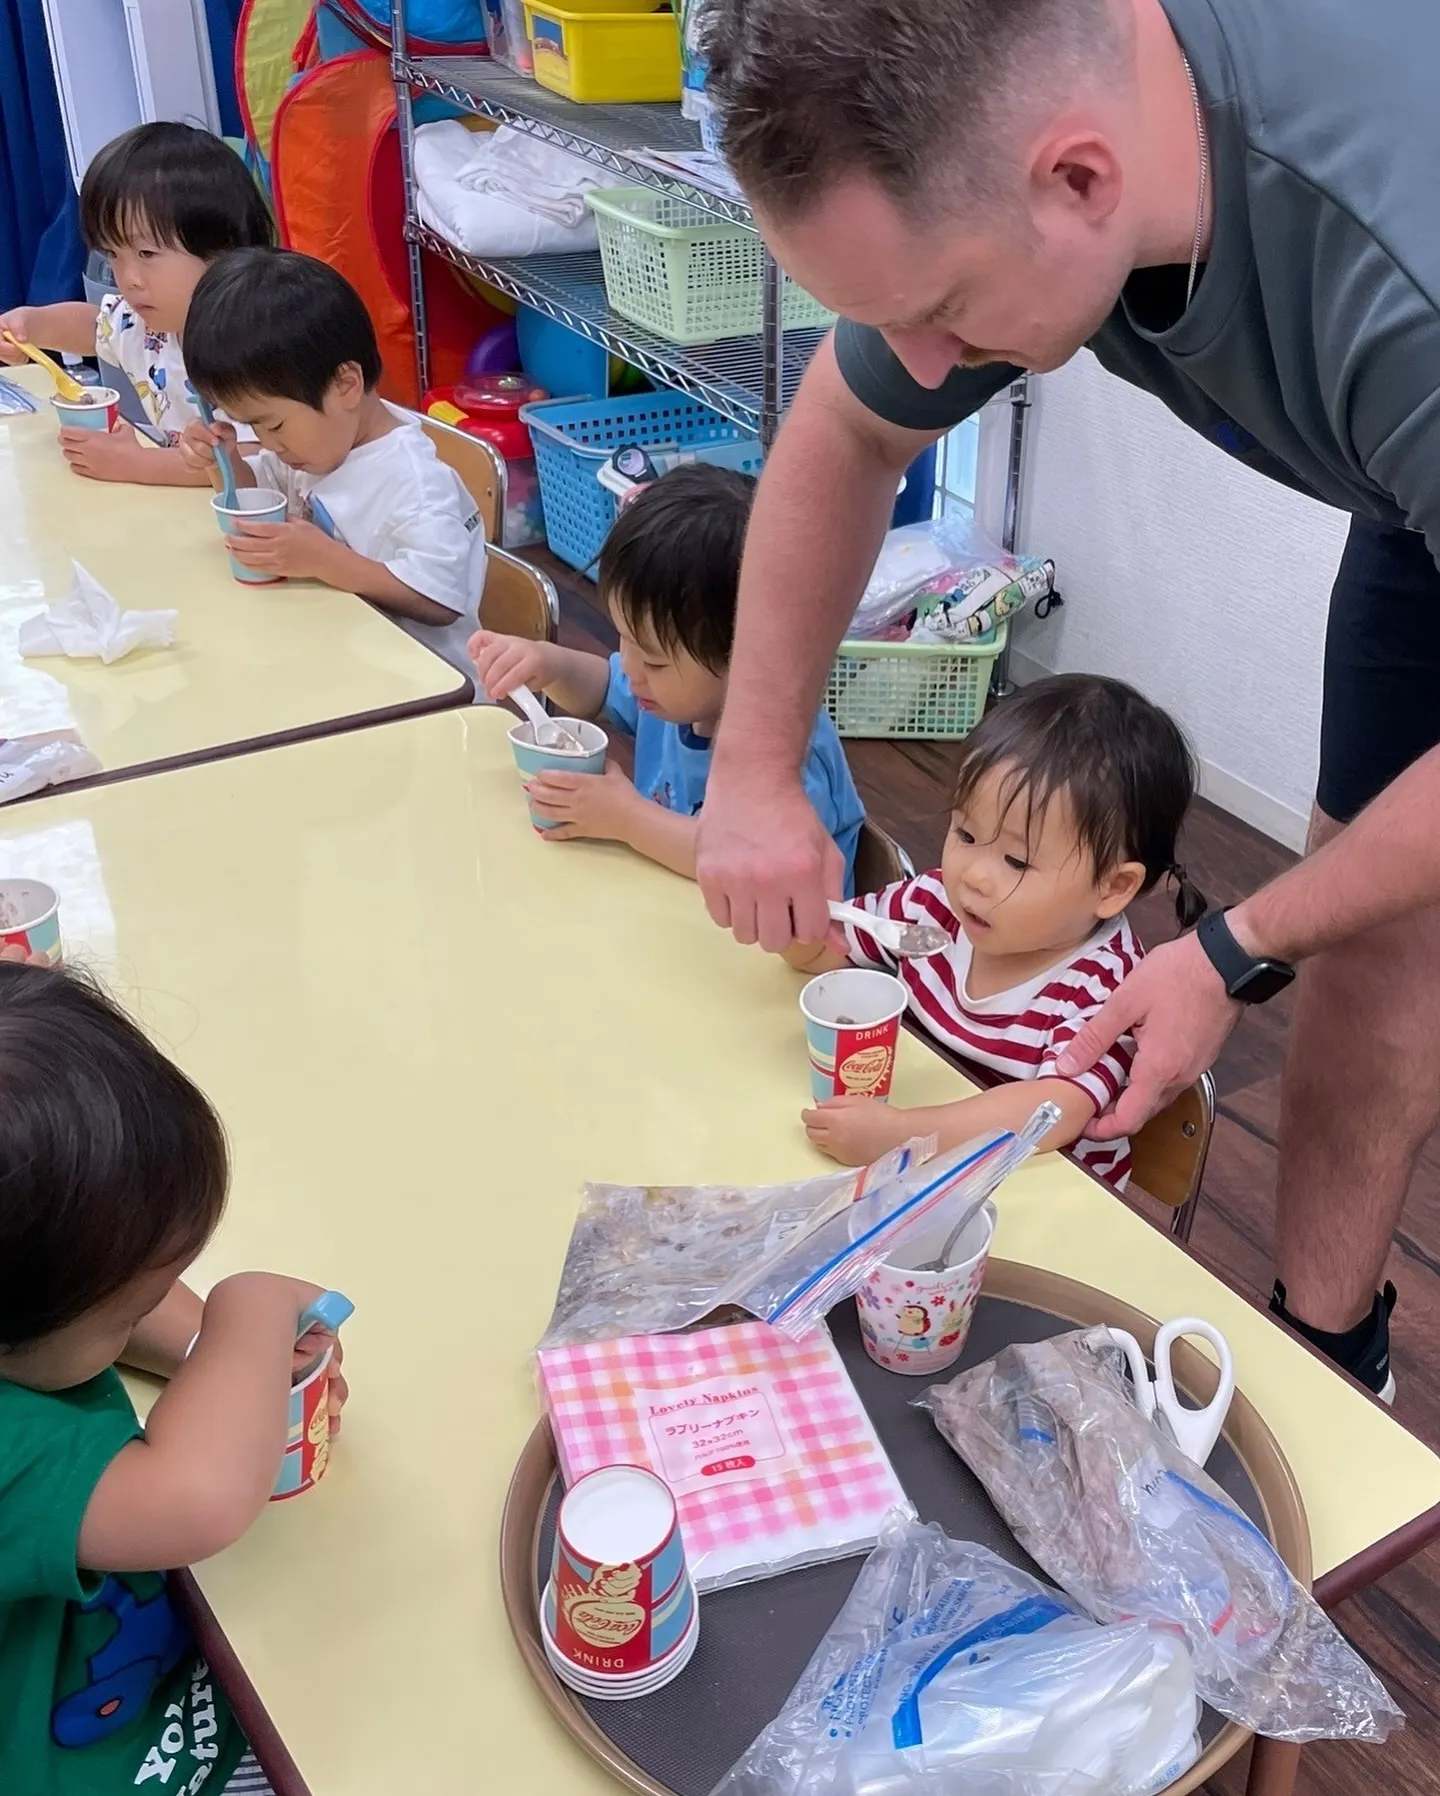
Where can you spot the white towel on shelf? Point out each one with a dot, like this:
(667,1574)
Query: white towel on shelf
(502,193)
(87,624)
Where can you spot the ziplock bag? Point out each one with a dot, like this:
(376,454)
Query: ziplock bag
(826,1264)
(949,1670)
(649,1259)
(948,554)
(1112,1509)
(30,763)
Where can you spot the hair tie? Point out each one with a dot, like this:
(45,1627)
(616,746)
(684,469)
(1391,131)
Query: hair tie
(1190,902)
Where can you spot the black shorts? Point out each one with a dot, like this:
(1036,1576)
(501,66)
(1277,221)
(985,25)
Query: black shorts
(1382,666)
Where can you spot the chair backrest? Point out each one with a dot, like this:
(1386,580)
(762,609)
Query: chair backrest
(1168,1154)
(481,468)
(879,860)
(518,599)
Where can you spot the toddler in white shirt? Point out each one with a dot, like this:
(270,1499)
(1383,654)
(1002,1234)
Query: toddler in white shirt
(1068,803)
(285,345)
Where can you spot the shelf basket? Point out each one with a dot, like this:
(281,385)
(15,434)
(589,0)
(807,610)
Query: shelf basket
(670,267)
(911,689)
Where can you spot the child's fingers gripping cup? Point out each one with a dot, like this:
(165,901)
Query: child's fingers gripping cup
(531,758)
(307,1446)
(852,1024)
(916,1322)
(98,410)
(30,918)
(253,505)
(619,1616)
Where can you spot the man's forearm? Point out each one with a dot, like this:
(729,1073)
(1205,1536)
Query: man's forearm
(820,514)
(1383,866)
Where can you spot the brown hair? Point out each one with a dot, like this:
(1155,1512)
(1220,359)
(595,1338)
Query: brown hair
(1122,762)
(911,92)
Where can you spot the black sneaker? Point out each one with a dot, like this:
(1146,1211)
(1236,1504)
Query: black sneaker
(1362,1351)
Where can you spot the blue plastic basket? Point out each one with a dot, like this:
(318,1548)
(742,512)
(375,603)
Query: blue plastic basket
(573,437)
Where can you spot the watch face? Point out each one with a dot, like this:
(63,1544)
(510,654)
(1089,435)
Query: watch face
(1262,981)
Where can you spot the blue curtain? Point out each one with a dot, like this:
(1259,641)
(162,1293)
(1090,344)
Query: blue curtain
(221,18)
(41,256)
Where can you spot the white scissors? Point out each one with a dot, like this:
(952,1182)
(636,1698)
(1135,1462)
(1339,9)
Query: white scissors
(1194,1431)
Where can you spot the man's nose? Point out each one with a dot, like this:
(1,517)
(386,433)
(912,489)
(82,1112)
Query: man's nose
(928,356)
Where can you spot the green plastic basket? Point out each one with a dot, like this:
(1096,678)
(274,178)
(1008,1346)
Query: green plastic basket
(911,689)
(670,267)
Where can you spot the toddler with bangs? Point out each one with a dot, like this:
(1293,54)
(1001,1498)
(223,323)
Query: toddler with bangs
(1068,804)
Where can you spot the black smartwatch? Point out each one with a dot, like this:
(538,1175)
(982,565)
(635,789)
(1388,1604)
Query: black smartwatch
(1248,980)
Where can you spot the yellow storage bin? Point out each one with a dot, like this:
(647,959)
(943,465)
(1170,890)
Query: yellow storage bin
(605,56)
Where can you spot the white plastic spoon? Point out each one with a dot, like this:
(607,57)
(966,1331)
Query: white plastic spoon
(548,733)
(911,941)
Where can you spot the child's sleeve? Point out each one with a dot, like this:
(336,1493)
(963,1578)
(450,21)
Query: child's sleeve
(432,530)
(620,709)
(1111,1072)
(53,1453)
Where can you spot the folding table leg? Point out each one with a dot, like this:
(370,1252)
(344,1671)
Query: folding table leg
(1273,1765)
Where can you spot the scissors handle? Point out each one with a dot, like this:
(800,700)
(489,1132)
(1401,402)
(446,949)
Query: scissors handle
(1195,1431)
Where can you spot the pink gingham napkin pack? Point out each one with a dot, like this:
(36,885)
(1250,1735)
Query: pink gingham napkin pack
(764,1442)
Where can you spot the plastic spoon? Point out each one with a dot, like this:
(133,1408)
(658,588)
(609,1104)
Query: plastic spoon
(1034,1132)
(328,1311)
(222,458)
(65,384)
(911,941)
(548,733)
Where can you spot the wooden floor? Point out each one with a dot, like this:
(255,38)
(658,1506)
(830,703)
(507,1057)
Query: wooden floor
(1397,1624)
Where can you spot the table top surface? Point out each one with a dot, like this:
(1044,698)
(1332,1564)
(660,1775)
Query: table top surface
(425,1027)
(248,662)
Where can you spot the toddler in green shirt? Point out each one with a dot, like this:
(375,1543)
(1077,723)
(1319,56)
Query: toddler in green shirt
(113,1175)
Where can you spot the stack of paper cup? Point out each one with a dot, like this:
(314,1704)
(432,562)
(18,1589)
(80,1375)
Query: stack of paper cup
(619,1616)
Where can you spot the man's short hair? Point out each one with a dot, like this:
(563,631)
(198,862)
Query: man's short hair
(920,95)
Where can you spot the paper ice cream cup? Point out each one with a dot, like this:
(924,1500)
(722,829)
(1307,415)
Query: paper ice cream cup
(621,1602)
(852,1023)
(619,1687)
(98,410)
(530,758)
(30,917)
(917,1322)
(255,505)
(307,1449)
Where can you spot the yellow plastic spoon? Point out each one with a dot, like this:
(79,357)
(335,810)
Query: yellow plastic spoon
(65,384)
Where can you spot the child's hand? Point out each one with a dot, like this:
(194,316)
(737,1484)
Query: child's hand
(18,323)
(593,806)
(17,951)
(296,551)
(101,455)
(197,447)
(505,662)
(855,1130)
(307,1350)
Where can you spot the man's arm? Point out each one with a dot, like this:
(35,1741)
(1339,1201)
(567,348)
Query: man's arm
(765,862)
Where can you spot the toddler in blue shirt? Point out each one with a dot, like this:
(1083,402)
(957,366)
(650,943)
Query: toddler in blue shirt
(669,573)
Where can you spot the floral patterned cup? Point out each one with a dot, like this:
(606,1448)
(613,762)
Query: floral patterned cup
(916,1322)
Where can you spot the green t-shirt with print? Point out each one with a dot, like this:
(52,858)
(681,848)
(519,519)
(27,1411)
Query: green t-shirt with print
(101,1689)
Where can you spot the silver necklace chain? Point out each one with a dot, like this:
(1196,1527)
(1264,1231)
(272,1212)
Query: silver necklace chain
(1204,138)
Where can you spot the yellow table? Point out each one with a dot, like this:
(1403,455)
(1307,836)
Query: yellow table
(251,665)
(424,1028)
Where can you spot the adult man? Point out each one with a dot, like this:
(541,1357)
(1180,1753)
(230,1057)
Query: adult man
(1235,206)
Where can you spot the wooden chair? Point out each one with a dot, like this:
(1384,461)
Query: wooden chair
(479,464)
(518,599)
(879,860)
(1168,1154)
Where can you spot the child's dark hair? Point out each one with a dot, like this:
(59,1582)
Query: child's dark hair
(184,186)
(273,323)
(112,1164)
(672,561)
(1122,763)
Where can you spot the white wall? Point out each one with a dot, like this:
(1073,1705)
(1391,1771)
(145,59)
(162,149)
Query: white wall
(1199,581)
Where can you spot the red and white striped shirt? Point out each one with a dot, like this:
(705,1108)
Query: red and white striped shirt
(1019,1032)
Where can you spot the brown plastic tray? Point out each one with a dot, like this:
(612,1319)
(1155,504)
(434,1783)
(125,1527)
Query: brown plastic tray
(756,1639)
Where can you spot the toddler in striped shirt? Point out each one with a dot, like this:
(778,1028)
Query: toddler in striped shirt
(1068,803)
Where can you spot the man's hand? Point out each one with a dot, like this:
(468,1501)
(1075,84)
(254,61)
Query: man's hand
(597,806)
(856,1130)
(1177,1009)
(99,454)
(766,863)
(297,551)
(505,662)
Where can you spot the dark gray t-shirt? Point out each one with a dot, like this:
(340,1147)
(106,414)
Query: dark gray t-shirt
(1311,350)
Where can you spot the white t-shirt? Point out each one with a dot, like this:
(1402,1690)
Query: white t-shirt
(395,501)
(150,361)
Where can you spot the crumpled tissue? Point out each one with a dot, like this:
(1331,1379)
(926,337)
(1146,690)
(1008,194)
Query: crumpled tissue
(87,623)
